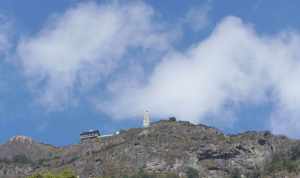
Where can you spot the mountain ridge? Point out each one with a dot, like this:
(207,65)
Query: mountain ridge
(165,146)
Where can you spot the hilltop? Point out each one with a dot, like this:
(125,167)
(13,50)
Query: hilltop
(166,146)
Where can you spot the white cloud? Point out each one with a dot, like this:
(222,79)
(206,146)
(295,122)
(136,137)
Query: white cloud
(112,43)
(233,66)
(84,45)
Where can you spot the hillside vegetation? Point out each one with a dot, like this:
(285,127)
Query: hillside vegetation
(167,148)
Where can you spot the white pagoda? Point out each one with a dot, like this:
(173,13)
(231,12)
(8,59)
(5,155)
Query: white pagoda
(146,121)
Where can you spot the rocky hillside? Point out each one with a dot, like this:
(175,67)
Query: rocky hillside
(164,147)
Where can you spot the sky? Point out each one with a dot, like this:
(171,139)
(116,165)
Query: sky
(72,65)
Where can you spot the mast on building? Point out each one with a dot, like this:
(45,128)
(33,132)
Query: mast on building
(146,121)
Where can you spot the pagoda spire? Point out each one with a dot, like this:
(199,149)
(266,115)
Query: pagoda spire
(146,121)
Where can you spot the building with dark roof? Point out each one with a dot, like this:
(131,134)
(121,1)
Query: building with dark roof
(89,135)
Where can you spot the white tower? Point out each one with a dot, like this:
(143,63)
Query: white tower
(146,122)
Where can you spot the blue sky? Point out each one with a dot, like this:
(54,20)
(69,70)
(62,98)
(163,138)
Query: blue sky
(68,65)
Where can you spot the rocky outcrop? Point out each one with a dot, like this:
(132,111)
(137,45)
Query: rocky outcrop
(20,139)
(165,146)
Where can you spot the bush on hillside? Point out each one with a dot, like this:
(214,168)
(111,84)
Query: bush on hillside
(192,173)
(62,174)
(70,174)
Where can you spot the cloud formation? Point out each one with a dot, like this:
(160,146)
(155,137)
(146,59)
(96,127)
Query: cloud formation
(108,46)
(233,66)
(84,45)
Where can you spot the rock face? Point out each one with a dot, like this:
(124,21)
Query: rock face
(165,146)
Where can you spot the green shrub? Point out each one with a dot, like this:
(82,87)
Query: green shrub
(192,173)
(140,174)
(295,152)
(63,174)
(285,161)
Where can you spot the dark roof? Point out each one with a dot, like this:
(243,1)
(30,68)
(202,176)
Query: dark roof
(96,132)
